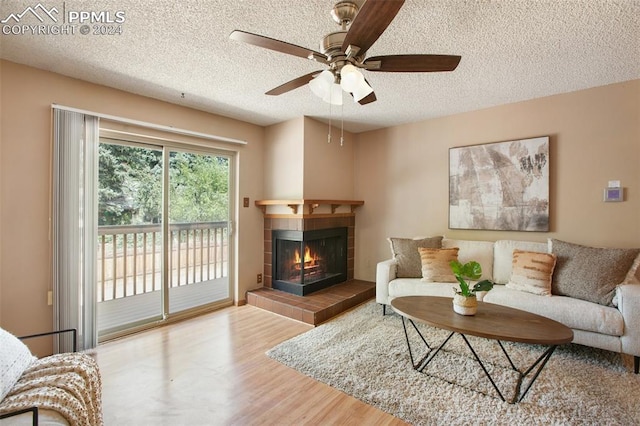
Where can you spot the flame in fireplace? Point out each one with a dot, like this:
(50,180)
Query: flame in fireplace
(311,264)
(308,258)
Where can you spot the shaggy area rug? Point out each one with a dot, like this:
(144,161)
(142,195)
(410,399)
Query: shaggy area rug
(365,355)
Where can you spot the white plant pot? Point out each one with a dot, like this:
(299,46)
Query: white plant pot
(465,305)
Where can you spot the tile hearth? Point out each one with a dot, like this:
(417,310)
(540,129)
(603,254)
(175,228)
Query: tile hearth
(317,307)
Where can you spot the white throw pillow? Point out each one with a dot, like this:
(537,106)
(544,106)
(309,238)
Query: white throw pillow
(479,251)
(15,357)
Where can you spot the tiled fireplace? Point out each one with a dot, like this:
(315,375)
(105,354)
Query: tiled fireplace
(315,281)
(308,261)
(324,247)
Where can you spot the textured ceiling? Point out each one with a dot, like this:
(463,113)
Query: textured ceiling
(511,50)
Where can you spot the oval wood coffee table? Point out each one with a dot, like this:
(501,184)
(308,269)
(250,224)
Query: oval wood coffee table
(495,322)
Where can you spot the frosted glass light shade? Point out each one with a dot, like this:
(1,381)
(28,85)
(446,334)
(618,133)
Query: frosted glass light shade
(350,78)
(321,84)
(327,76)
(362,91)
(334,95)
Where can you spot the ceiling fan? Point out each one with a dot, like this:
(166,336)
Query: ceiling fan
(344,52)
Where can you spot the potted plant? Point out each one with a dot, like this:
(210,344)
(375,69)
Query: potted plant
(465,301)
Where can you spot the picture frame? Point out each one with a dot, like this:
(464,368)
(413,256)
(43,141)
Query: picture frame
(500,186)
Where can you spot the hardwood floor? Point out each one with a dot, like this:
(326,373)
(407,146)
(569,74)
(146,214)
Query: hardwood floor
(212,370)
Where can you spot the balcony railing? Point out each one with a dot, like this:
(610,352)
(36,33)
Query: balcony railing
(130,257)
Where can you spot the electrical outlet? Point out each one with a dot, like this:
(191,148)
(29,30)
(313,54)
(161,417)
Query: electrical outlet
(259,278)
(245,202)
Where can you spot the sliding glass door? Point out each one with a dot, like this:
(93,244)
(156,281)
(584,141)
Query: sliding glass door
(198,230)
(150,268)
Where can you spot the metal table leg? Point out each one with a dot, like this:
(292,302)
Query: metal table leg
(542,361)
(431,353)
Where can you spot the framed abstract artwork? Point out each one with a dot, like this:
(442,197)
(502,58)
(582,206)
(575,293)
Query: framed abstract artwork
(500,186)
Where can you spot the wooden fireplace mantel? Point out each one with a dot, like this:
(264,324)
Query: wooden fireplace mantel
(311,206)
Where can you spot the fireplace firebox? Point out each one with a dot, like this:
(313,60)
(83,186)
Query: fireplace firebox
(308,261)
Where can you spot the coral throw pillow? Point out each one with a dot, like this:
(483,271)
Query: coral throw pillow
(532,272)
(435,264)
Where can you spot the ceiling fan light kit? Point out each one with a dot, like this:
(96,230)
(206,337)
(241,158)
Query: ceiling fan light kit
(345,51)
(351,80)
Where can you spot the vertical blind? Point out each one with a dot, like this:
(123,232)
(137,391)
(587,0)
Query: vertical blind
(74,224)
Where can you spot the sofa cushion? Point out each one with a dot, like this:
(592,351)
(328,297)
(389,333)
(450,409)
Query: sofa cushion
(532,272)
(574,313)
(412,287)
(435,264)
(15,357)
(405,252)
(590,273)
(480,251)
(503,257)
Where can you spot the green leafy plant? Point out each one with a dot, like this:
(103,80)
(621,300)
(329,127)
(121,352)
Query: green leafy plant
(469,271)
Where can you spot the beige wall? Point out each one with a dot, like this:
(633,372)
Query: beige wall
(402,172)
(328,167)
(25,143)
(299,162)
(284,160)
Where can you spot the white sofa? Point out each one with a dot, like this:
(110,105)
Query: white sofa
(615,328)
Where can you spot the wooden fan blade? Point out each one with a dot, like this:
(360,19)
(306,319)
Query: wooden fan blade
(371,97)
(277,45)
(412,63)
(293,84)
(373,18)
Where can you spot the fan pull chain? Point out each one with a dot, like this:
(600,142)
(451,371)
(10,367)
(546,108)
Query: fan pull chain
(329,135)
(342,125)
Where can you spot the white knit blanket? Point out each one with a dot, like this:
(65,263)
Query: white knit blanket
(68,383)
